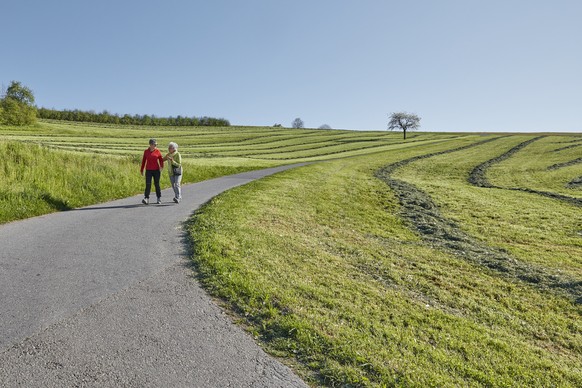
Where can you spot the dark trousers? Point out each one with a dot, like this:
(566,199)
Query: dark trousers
(149,175)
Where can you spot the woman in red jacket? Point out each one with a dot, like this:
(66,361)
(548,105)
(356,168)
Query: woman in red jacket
(154,163)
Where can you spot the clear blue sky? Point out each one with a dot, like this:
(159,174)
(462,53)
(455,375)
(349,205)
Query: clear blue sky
(462,65)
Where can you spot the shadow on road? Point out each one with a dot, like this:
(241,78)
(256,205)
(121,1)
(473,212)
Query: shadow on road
(123,206)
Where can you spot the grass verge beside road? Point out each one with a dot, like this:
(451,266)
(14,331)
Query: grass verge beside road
(324,271)
(38,180)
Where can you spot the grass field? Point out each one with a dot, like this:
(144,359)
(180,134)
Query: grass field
(547,166)
(61,165)
(445,260)
(255,146)
(39,180)
(415,279)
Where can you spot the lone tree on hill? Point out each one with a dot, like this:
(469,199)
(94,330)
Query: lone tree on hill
(297,123)
(324,126)
(404,121)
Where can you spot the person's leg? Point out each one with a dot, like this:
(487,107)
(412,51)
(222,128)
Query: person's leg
(178,188)
(148,188)
(173,182)
(157,183)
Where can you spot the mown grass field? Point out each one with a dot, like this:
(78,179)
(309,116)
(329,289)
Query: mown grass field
(549,165)
(385,263)
(362,275)
(61,165)
(240,146)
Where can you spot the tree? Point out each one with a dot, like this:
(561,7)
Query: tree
(17,105)
(13,112)
(324,126)
(297,123)
(404,121)
(20,93)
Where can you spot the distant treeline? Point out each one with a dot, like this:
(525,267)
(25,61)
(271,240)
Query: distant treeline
(113,118)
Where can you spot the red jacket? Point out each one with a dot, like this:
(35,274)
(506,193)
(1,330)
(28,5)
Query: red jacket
(150,160)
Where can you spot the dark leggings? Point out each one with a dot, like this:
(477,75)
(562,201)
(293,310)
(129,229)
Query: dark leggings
(149,175)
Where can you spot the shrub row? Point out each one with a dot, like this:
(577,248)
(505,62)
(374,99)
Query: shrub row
(113,118)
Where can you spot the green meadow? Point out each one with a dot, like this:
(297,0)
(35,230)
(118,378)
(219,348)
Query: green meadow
(380,264)
(57,165)
(362,275)
(549,165)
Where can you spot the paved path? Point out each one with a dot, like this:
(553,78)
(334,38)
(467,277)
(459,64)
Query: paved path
(103,296)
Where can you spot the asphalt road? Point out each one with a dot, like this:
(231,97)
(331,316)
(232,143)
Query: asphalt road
(104,296)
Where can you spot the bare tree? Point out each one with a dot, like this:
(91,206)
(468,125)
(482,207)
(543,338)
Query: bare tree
(324,126)
(404,121)
(297,123)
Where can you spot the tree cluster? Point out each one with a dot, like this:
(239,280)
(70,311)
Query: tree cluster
(298,123)
(17,105)
(112,118)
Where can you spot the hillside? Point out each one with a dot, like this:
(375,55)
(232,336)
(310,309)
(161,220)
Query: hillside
(443,260)
(226,145)
(403,269)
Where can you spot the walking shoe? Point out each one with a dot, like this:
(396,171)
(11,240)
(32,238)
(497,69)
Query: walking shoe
(176,200)
(145,201)
(159,201)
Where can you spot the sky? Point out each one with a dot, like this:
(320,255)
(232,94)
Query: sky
(461,65)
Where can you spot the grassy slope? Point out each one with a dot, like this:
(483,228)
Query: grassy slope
(101,161)
(38,180)
(323,270)
(332,275)
(530,169)
(241,145)
(533,228)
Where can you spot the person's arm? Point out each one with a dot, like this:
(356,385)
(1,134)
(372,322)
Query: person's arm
(177,160)
(161,160)
(143,162)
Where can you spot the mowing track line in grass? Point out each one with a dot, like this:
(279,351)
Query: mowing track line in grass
(575,183)
(567,147)
(477,176)
(442,233)
(565,164)
(316,146)
(371,149)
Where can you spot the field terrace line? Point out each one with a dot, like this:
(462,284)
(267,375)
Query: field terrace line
(574,183)
(567,147)
(477,176)
(565,164)
(441,233)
